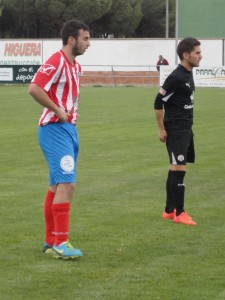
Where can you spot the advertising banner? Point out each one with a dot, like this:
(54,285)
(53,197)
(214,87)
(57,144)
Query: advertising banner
(6,74)
(17,74)
(21,52)
(212,76)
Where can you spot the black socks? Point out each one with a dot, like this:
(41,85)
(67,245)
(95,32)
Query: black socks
(175,189)
(170,205)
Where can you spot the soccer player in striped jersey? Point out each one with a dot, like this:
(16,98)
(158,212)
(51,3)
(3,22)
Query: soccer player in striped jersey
(174,113)
(55,86)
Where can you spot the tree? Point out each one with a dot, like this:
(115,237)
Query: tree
(44,18)
(87,10)
(153,22)
(121,20)
(53,13)
(7,22)
(50,17)
(22,15)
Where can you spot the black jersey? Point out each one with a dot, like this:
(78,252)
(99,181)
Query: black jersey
(177,97)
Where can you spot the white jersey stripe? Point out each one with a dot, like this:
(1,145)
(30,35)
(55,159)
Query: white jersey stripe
(60,88)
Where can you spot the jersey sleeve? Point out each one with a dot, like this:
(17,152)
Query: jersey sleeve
(48,73)
(158,104)
(166,91)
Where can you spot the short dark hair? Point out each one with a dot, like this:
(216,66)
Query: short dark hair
(71,28)
(187,45)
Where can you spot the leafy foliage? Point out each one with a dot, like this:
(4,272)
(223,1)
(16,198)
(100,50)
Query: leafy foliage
(118,18)
(123,18)
(153,21)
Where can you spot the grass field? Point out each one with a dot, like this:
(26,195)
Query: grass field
(130,252)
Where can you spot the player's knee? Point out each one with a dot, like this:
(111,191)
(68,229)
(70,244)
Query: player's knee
(66,190)
(178,168)
(70,187)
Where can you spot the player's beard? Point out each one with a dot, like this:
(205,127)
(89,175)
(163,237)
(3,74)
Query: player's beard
(76,51)
(195,65)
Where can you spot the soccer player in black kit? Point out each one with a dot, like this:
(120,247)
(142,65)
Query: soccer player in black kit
(174,114)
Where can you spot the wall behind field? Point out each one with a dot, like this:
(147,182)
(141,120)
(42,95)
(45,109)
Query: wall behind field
(138,52)
(126,52)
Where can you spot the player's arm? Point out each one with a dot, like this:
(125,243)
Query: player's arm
(42,98)
(159,113)
(164,95)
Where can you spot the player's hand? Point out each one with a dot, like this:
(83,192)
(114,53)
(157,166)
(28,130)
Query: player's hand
(163,136)
(62,116)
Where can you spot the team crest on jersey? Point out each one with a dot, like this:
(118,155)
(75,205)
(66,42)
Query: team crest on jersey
(162,91)
(47,69)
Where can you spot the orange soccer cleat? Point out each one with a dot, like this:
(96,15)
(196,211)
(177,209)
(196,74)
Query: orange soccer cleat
(184,219)
(168,216)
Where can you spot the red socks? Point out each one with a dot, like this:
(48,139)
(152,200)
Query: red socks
(56,220)
(49,221)
(61,221)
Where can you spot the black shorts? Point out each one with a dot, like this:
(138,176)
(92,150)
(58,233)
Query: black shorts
(180,147)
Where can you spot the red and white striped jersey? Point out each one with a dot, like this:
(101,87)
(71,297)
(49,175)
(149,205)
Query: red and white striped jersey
(60,79)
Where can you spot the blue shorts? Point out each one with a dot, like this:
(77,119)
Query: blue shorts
(60,144)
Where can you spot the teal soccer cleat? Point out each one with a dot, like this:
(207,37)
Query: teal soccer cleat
(47,249)
(66,251)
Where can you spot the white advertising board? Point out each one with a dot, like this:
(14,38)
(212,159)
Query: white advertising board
(211,76)
(6,74)
(18,52)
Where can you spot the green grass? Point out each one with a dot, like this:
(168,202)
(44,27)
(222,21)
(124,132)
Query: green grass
(130,252)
